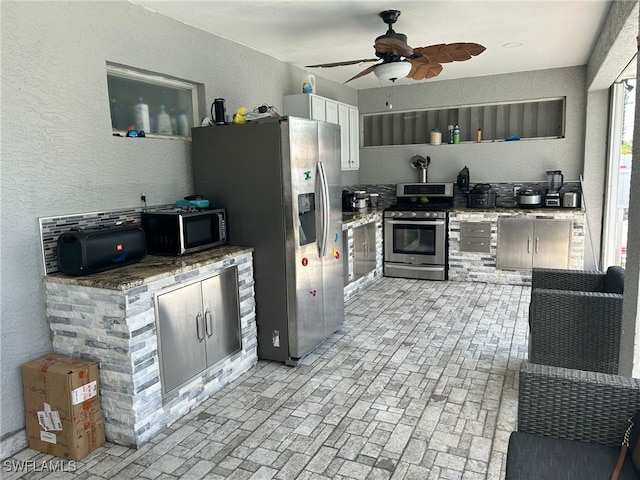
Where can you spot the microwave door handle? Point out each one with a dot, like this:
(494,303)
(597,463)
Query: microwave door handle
(220,226)
(324,211)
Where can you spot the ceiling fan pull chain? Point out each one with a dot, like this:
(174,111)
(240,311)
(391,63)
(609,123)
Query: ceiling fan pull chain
(388,103)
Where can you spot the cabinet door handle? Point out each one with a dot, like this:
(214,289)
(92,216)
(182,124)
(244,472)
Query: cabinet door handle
(528,244)
(537,242)
(208,322)
(199,327)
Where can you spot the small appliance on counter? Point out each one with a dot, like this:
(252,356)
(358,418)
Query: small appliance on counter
(176,232)
(193,201)
(570,199)
(482,195)
(555,181)
(86,251)
(530,196)
(356,201)
(361,201)
(348,199)
(463,179)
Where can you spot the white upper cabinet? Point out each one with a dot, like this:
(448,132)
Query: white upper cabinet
(308,105)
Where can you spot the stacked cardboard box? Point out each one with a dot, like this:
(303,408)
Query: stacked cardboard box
(62,406)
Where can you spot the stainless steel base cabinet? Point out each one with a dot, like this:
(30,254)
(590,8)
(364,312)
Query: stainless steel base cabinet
(198,325)
(364,249)
(526,243)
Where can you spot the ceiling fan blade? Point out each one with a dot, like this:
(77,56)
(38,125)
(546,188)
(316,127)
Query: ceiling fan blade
(421,69)
(392,45)
(340,64)
(450,52)
(366,71)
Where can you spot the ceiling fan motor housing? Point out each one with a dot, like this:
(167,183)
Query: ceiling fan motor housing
(389,16)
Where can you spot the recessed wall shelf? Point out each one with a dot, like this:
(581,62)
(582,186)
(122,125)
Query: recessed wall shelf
(162,106)
(541,118)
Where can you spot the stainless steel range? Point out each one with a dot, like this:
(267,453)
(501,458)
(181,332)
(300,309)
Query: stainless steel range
(415,231)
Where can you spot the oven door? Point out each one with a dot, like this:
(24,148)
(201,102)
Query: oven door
(418,242)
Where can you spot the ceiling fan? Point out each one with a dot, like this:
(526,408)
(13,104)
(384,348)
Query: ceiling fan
(396,59)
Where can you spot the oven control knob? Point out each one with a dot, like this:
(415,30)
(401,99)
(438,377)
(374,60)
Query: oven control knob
(398,214)
(413,214)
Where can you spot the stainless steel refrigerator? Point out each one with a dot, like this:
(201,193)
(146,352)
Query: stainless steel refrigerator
(280,183)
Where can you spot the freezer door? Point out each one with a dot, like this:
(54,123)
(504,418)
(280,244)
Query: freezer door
(303,232)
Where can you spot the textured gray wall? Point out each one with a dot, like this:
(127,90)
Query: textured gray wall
(523,161)
(614,49)
(615,46)
(58,155)
(630,336)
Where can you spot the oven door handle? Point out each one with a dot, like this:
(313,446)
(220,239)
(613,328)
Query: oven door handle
(416,222)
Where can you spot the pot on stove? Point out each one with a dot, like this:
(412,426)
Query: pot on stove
(482,196)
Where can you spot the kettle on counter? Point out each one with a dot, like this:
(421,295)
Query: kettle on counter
(463,179)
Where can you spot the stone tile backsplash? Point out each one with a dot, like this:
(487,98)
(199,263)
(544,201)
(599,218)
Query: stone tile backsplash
(505,196)
(52,227)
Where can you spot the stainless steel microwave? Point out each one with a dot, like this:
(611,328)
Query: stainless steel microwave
(177,232)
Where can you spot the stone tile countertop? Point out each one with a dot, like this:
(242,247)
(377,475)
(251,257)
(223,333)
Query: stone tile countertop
(354,219)
(149,269)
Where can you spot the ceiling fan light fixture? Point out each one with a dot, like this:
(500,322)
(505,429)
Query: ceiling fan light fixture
(392,71)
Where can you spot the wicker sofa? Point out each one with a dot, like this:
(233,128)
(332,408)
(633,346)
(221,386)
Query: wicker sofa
(575,318)
(570,424)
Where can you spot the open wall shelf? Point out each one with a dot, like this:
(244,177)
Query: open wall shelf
(531,119)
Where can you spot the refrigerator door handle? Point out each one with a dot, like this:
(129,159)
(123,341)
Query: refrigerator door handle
(325,208)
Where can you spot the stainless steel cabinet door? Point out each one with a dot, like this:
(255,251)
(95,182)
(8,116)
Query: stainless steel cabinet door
(515,243)
(221,315)
(551,243)
(181,335)
(347,258)
(364,245)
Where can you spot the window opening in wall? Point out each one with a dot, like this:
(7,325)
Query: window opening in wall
(540,118)
(614,244)
(161,105)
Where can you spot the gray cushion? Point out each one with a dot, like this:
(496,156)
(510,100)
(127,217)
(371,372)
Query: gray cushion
(614,280)
(535,457)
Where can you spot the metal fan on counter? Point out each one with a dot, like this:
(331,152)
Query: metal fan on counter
(398,60)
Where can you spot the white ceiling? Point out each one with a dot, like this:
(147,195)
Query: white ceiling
(556,33)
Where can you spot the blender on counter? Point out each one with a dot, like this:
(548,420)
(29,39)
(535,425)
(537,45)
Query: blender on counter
(555,181)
